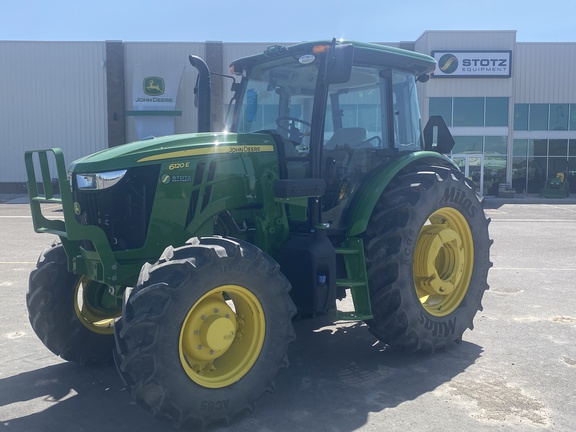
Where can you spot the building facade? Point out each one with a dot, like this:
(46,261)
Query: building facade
(511,106)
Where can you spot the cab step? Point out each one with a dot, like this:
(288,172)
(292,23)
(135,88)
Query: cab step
(356,280)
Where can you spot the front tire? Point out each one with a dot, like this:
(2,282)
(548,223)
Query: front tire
(427,252)
(65,314)
(205,331)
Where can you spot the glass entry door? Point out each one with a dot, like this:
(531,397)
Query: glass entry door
(472,165)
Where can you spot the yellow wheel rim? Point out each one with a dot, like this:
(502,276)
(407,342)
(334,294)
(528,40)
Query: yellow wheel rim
(222,336)
(443,261)
(86,295)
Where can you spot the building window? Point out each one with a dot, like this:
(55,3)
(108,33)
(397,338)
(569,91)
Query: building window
(471,111)
(495,145)
(520,163)
(521,117)
(536,174)
(494,173)
(468,111)
(543,117)
(538,147)
(538,117)
(520,147)
(557,165)
(442,106)
(559,117)
(467,144)
(519,172)
(496,111)
(558,147)
(572,147)
(494,157)
(535,160)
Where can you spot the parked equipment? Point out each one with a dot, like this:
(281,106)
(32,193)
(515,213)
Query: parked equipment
(187,256)
(559,185)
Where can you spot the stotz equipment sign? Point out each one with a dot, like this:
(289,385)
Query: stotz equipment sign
(473,64)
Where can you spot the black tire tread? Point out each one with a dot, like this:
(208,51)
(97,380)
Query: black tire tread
(394,309)
(137,353)
(50,303)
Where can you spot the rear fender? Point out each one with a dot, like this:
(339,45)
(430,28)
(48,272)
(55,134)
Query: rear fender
(373,190)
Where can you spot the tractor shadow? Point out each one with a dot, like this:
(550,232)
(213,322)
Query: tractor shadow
(66,397)
(338,375)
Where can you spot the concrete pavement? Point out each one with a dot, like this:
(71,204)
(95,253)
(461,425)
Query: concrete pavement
(516,371)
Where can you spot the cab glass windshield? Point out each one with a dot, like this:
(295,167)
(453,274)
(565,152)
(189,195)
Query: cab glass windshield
(279,97)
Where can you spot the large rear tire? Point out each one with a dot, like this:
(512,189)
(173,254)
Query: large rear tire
(427,252)
(65,311)
(205,331)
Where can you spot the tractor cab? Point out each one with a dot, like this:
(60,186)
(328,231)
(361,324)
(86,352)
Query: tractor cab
(337,112)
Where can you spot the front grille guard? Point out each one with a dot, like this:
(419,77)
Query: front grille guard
(100,264)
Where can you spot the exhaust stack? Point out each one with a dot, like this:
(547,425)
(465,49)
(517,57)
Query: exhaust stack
(202,92)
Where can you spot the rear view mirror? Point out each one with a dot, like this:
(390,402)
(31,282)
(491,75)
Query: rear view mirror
(340,64)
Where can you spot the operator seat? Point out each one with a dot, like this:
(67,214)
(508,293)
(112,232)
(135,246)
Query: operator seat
(339,148)
(337,154)
(351,137)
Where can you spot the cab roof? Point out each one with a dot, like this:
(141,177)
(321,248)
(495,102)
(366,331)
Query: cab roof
(364,53)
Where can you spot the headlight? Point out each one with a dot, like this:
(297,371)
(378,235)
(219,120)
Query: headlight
(99,180)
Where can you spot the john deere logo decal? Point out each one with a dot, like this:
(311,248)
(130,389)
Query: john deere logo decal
(153,86)
(448,63)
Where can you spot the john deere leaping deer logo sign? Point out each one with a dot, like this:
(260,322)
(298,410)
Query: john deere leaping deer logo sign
(154,86)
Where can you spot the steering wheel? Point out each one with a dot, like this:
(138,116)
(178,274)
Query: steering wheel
(294,133)
(375,138)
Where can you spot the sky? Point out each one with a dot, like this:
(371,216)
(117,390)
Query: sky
(276,21)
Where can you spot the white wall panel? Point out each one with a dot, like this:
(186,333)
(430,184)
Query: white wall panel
(544,73)
(470,40)
(53,95)
(169,53)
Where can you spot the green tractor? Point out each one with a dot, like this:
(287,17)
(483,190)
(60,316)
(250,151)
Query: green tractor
(559,185)
(185,258)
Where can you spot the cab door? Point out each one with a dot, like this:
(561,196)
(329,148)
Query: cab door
(356,133)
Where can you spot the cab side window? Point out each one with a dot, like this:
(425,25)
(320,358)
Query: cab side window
(406,113)
(358,105)
(356,127)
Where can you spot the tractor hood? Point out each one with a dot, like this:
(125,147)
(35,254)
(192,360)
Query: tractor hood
(164,149)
